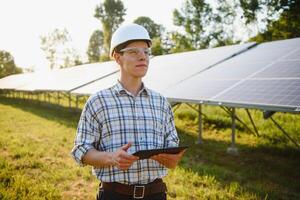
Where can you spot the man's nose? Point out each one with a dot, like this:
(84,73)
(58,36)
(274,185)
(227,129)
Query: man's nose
(142,55)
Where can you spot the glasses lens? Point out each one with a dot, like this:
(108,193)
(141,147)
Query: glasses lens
(136,51)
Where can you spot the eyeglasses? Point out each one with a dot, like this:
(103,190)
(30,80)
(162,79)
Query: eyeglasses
(135,51)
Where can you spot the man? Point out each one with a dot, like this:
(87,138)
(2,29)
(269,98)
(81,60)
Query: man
(126,118)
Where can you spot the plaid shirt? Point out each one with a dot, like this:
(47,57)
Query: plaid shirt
(113,117)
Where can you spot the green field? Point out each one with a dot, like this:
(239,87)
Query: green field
(35,162)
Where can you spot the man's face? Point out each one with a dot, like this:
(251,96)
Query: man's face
(134,60)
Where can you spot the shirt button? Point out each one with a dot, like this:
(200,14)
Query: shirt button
(141,139)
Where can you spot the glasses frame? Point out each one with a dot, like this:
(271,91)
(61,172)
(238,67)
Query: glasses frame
(135,51)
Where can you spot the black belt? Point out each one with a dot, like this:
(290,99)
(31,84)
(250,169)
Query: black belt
(136,191)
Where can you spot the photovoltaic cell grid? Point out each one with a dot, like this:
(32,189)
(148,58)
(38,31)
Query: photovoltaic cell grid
(285,92)
(276,86)
(104,83)
(265,77)
(68,79)
(168,70)
(197,90)
(281,69)
(13,81)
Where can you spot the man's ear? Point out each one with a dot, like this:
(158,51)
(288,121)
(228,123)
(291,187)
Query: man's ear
(117,58)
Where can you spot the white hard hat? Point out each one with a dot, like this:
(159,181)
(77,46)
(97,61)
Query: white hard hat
(126,33)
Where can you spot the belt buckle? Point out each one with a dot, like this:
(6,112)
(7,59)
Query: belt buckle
(137,187)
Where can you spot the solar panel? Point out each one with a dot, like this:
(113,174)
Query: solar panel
(167,70)
(196,90)
(280,69)
(13,81)
(232,69)
(280,93)
(275,85)
(71,78)
(100,84)
(294,55)
(266,77)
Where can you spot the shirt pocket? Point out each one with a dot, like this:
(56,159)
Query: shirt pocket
(155,134)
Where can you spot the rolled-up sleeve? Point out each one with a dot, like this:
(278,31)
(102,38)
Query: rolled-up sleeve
(88,133)
(171,139)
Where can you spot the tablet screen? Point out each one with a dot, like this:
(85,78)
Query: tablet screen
(144,154)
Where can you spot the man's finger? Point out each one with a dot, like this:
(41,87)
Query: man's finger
(126,146)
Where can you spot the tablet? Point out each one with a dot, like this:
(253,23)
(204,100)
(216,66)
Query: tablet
(144,154)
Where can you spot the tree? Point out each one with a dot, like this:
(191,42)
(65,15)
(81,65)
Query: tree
(51,43)
(157,47)
(179,43)
(203,25)
(210,25)
(58,50)
(111,14)
(155,31)
(287,26)
(7,64)
(95,46)
(251,8)
(70,57)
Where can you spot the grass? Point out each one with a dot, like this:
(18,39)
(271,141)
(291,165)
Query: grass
(35,162)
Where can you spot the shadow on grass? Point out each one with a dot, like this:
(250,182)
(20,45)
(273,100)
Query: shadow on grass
(221,124)
(66,116)
(263,171)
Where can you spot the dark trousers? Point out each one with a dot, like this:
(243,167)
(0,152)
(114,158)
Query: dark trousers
(107,195)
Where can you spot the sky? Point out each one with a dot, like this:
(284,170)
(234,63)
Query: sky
(23,22)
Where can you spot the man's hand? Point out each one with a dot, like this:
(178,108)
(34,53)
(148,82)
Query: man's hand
(168,160)
(121,159)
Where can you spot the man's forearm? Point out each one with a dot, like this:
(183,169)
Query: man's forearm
(98,159)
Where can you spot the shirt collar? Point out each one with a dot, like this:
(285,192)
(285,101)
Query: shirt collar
(119,90)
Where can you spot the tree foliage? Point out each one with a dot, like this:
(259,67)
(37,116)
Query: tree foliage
(58,51)
(287,26)
(111,14)
(155,31)
(216,24)
(250,8)
(95,46)
(7,64)
(203,25)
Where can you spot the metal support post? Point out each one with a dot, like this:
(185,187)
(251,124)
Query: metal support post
(252,122)
(284,132)
(175,107)
(237,118)
(77,101)
(232,149)
(200,122)
(70,100)
(195,109)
